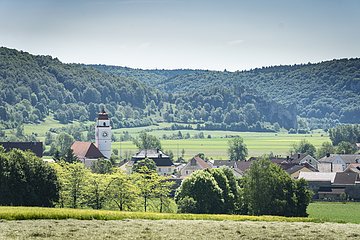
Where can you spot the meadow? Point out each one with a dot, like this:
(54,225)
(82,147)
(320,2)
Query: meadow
(258,143)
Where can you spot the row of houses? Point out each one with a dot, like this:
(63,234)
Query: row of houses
(334,177)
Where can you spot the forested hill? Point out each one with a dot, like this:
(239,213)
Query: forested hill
(32,87)
(325,93)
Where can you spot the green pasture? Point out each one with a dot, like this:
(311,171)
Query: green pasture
(347,212)
(216,147)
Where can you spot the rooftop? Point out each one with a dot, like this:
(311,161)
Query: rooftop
(318,176)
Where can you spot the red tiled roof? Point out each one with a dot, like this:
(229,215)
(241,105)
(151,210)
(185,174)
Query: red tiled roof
(201,162)
(86,150)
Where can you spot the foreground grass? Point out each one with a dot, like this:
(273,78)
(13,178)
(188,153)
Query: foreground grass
(31,213)
(173,229)
(335,212)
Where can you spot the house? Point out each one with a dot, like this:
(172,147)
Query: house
(86,152)
(353,167)
(318,181)
(302,158)
(295,170)
(230,164)
(333,186)
(163,162)
(342,188)
(337,162)
(35,147)
(196,163)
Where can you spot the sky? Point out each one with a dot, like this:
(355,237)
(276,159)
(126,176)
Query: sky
(174,34)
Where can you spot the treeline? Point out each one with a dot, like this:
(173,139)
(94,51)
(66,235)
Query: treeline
(25,180)
(345,133)
(265,189)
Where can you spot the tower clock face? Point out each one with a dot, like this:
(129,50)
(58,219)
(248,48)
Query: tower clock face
(105,134)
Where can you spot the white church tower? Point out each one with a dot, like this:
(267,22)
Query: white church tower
(103,134)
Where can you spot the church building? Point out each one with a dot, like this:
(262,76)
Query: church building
(88,152)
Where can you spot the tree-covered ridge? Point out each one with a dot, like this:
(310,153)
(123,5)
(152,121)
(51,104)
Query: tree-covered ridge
(322,95)
(31,86)
(325,90)
(328,89)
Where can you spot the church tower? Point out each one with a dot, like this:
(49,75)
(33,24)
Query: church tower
(103,134)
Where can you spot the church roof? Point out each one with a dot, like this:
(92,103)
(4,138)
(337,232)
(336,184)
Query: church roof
(86,150)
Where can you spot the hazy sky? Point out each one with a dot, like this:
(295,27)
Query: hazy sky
(217,35)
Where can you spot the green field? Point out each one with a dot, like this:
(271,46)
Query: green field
(258,143)
(335,212)
(216,147)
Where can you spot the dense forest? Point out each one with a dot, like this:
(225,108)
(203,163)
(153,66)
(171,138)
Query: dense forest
(298,97)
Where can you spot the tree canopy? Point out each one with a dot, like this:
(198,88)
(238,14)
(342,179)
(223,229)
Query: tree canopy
(237,150)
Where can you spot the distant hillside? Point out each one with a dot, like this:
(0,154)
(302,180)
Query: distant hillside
(264,99)
(32,86)
(326,93)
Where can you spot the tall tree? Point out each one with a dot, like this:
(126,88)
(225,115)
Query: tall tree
(326,148)
(146,141)
(63,142)
(122,190)
(96,190)
(202,191)
(345,148)
(237,149)
(25,180)
(269,190)
(305,147)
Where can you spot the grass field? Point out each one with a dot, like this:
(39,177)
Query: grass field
(335,212)
(258,143)
(75,223)
(174,229)
(216,147)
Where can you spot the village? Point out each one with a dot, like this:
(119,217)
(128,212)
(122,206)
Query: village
(333,177)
